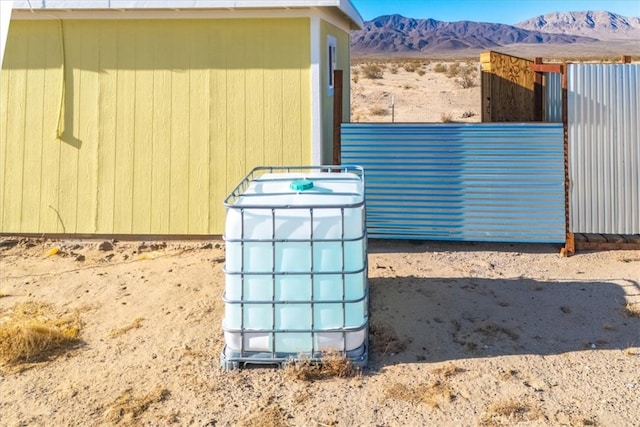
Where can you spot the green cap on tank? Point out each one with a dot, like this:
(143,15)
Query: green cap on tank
(301,185)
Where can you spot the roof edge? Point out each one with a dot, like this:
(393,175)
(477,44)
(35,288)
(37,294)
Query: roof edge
(345,6)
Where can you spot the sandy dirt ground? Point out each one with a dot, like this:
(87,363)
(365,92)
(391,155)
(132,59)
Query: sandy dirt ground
(462,335)
(421,94)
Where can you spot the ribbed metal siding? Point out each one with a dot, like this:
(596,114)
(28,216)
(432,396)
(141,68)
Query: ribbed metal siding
(470,182)
(553,98)
(604,153)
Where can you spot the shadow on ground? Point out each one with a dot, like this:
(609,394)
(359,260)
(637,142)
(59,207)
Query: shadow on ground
(440,319)
(412,246)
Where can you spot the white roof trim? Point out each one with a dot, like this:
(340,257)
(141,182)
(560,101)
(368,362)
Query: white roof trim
(344,6)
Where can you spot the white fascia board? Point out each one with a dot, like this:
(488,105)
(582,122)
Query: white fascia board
(344,6)
(316,93)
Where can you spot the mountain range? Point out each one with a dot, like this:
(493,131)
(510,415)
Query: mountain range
(601,25)
(398,34)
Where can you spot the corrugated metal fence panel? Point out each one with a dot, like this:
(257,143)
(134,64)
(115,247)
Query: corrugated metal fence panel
(604,153)
(468,182)
(553,98)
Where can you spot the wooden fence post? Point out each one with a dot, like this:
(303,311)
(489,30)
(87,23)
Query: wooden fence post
(537,94)
(570,242)
(337,116)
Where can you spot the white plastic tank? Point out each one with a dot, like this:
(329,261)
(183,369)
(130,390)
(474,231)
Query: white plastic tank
(296,263)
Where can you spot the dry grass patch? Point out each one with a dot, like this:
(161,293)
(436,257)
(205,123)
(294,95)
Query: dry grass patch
(467,81)
(127,408)
(510,412)
(446,118)
(332,364)
(372,71)
(377,110)
(632,351)
(632,310)
(267,415)
(493,331)
(384,340)
(608,327)
(137,323)
(447,371)
(508,374)
(35,332)
(434,394)
(440,68)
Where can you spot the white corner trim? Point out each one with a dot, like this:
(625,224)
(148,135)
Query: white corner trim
(316,93)
(5,17)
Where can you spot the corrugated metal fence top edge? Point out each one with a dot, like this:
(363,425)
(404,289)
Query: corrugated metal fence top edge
(466,182)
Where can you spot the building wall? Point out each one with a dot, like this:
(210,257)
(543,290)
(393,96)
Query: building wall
(156,122)
(343,63)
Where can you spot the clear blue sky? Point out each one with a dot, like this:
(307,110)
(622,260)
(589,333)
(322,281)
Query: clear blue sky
(500,11)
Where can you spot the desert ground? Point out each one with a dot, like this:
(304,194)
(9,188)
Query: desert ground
(415,90)
(461,334)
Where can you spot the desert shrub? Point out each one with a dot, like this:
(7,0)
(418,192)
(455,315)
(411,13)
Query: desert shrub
(468,114)
(454,70)
(410,67)
(420,72)
(446,117)
(393,69)
(377,110)
(355,78)
(466,81)
(372,71)
(632,310)
(440,68)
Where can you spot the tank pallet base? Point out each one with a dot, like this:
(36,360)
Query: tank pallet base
(229,362)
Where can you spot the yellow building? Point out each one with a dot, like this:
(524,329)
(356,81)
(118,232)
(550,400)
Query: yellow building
(137,117)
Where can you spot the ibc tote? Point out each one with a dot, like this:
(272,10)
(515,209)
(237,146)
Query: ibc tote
(296,266)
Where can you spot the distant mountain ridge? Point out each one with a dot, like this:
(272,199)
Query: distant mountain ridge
(399,34)
(599,24)
(396,33)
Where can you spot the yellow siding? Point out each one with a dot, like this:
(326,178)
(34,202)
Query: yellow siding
(343,63)
(161,118)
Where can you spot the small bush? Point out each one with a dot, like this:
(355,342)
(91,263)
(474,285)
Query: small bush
(393,69)
(410,67)
(332,364)
(440,68)
(468,114)
(377,110)
(372,71)
(632,310)
(420,72)
(446,118)
(454,70)
(466,81)
(355,78)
